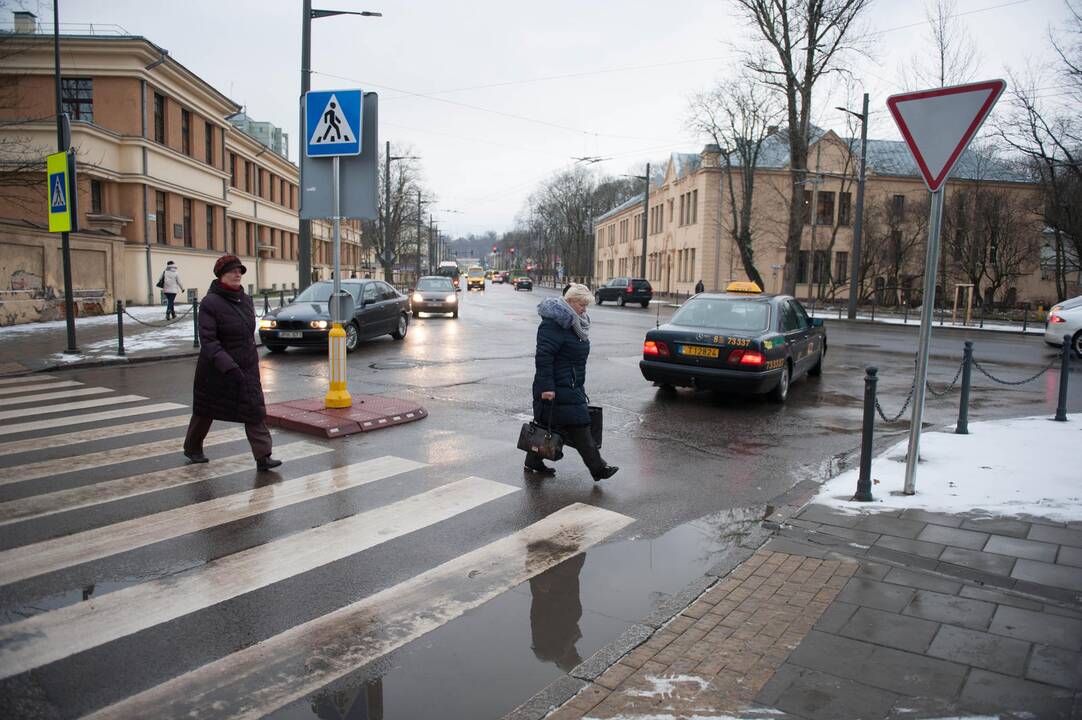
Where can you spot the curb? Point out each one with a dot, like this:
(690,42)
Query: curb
(1017,333)
(108,362)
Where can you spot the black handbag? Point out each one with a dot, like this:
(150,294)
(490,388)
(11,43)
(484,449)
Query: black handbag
(597,423)
(544,441)
(161,281)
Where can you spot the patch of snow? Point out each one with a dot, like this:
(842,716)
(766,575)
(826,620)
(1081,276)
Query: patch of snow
(1020,466)
(751,714)
(146,313)
(1036,328)
(664,686)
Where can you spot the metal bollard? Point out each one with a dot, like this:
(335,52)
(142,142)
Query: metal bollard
(266,302)
(982,315)
(839,312)
(873,310)
(195,323)
(282,297)
(962,428)
(864,479)
(1025,317)
(905,319)
(119,327)
(1064,373)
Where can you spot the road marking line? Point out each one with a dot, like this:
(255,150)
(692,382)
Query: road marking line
(52,636)
(103,492)
(62,552)
(25,378)
(102,433)
(170,446)
(44,397)
(66,422)
(266,676)
(80,405)
(38,388)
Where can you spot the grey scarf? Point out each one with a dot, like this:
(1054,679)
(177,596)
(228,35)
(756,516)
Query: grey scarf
(579,323)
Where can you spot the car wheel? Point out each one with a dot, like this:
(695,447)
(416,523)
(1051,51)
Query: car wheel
(403,325)
(781,390)
(454,314)
(620,301)
(666,388)
(353,336)
(817,368)
(646,303)
(416,314)
(597,298)
(275,348)
(1076,343)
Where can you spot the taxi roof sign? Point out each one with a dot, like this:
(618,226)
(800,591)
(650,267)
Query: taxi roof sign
(743,286)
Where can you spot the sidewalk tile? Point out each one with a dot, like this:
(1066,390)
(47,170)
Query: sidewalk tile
(1038,627)
(911,674)
(998,526)
(1056,666)
(1000,598)
(884,525)
(914,547)
(1062,536)
(890,629)
(827,516)
(986,691)
(824,651)
(902,558)
(921,581)
(954,536)
(977,560)
(872,570)
(980,649)
(871,593)
(951,609)
(820,696)
(1070,556)
(835,617)
(1061,576)
(1029,549)
(932,517)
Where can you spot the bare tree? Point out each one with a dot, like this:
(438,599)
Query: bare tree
(738,116)
(894,228)
(950,57)
(405,183)
(800,41)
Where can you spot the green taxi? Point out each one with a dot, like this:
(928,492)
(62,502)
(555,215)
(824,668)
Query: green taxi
(741,340)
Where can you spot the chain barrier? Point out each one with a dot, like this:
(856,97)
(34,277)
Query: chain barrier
(1031,378)
(908,399)
(167,323)
(950,386)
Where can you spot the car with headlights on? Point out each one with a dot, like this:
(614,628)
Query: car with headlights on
(522,283)
(378,309)
(434,294)
(741,340)
(1065,318)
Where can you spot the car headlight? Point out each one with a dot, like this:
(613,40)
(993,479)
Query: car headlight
(318,324)
(451,298)
(418,297)
(267,324)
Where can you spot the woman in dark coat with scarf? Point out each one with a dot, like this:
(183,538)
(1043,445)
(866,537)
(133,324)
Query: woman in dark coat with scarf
(227,383)
(563,345)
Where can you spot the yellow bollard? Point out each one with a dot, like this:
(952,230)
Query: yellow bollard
(337,394)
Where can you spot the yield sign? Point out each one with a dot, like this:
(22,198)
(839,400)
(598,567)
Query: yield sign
(939,124)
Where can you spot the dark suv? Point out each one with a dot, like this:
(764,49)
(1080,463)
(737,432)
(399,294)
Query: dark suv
(624,290)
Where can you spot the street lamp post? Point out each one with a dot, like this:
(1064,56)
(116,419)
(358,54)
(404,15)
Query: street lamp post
(858,224)
(304,230)
(388,256)
(645,213)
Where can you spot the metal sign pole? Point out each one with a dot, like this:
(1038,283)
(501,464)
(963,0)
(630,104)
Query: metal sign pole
(337,394)
(931,261)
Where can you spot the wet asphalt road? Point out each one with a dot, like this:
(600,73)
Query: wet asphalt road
(696,471)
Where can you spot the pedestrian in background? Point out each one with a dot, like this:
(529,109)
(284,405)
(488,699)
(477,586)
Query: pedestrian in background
(563,345)
(699,287)
(170,284)
(227,383)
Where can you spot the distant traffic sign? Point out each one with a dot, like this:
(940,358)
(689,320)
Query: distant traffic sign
(939,124)
(332,122)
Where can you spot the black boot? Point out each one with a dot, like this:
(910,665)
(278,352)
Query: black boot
(605,472)
(540,469)
(267,463)
(196,458)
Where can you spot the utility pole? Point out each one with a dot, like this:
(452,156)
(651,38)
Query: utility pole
(418,234)
(858,223)
(814,223)
(63,144)
(645,213)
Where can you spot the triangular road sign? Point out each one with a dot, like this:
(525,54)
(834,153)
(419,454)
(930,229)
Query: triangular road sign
(333,128)
(939,124)
(58,202)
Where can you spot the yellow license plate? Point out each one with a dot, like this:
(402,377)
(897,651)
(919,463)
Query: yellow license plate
(697,351)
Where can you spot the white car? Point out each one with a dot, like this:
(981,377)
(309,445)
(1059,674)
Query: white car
(1065,318)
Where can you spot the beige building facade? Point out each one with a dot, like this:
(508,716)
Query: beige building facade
(162,175)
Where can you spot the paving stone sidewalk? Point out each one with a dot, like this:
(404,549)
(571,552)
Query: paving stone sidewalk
(888,615)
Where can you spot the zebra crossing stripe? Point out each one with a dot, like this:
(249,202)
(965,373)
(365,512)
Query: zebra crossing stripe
(85,496)
(59,553)
(82,436)
(72,420)
(88,461)
(26,379)
(38,388)
(45,397)
(52,636)
(266,676)
(65,407)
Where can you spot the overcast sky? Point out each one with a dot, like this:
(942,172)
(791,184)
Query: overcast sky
(496,95)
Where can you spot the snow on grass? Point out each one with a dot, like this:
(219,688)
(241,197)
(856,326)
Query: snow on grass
(146,313)
(1022,466)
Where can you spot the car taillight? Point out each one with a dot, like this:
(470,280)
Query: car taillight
(655,347)
(745,357)
(1055,319)
(628,289)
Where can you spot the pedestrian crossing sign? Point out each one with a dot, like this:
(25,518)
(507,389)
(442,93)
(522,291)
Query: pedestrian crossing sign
(56,166)
(332,122)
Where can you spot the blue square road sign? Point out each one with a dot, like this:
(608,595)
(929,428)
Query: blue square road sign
(332,122)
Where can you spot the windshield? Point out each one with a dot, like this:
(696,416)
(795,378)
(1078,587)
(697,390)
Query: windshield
(724,314)
(431,283)
(477,272)
(321,292)
(448,271)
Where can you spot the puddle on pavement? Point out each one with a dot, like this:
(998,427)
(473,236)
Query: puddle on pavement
(491,659)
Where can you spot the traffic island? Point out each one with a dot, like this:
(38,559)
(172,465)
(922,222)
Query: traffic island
(368,412)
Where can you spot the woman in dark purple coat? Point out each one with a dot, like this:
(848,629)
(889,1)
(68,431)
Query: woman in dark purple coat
(227,374)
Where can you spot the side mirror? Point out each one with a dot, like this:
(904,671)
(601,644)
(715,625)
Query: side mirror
(817,322)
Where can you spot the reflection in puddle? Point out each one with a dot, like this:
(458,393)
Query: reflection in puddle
(364,702)
(555,610)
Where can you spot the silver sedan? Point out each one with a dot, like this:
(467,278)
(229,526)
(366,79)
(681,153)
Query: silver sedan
(1065,318)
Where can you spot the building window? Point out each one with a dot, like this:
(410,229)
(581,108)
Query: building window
(187,222)
(898,205)
(841,267)
(232,170)
(208,140)
(821,265)
(186,132)
(210,227)
(248,246)
(252,172)
(160,220)
(282,193)
(273,187)
(159,119)
(232,244)
(802,267)
(683,209)
(824,209)
(77,98)
(95,196)
(807,206)
(259,181)
(844,214)
(694,207)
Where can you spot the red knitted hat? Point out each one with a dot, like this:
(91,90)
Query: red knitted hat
(226,263)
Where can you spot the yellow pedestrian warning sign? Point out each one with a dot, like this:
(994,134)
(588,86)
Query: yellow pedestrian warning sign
(61,204)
